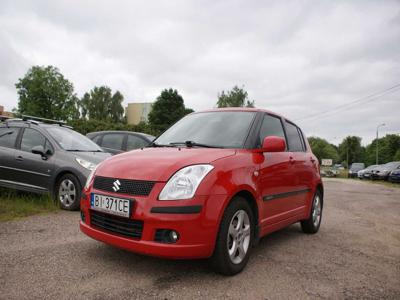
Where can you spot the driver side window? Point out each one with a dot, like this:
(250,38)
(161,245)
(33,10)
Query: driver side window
(32,138)
(271,125)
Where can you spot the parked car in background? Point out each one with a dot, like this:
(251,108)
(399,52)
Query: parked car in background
(383,171)
(354,168)
(360,174)
(209,186)
(394,176)
(367,173)
(116,142)
(46,157)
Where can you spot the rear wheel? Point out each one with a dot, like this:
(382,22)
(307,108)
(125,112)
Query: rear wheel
(235,237)
(312,224)
(68,192)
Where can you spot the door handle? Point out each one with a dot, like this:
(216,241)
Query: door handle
(19,158)
(292,160)
(312,159)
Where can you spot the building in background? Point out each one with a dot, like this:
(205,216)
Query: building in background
(137,112)
(5,114)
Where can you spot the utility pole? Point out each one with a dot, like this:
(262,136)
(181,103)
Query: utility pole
(377,142)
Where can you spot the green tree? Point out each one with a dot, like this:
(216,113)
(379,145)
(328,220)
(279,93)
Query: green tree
(237,97)
(322,149)
(101,104)
(396,157)
(167,109)
(351,148)
(388,146)
(45,92)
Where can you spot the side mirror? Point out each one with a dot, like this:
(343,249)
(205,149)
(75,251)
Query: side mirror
(273,144)
(39,150)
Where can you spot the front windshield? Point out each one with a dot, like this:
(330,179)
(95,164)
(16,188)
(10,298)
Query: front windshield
(71,140)
(222,129)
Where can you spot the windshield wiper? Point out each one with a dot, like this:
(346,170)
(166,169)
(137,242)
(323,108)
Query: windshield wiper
(80,150)
(191,144)
(153,144)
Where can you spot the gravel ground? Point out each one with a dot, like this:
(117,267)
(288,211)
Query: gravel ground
(356,254)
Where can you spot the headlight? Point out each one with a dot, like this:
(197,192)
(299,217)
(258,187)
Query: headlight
(86,164)
(89,179)
(184,183)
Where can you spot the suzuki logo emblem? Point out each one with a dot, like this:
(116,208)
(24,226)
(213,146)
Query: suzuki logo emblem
(117,185)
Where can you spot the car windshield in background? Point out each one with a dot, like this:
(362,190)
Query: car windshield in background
(72,141)
(227,129)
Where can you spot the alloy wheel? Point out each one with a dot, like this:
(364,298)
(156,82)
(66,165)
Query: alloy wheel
(238,240)
(67,192)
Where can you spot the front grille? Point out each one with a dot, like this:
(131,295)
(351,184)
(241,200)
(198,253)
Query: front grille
(114,224)
(126,186)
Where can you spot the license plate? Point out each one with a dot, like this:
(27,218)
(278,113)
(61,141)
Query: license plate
(111,205)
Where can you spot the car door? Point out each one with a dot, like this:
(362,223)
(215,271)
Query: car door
(34,171)
(300,165)
(8,139)
(275,177)
(113,142)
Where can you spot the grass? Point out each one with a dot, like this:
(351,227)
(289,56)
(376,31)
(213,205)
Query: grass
(15,205)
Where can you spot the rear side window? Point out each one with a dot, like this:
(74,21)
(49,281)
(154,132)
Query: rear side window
(271,125)
(113,141)
(8,136)
(134,142)
(295,142)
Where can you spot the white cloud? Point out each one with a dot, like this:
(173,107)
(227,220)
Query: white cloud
(294,57)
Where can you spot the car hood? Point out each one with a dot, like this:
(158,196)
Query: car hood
(94,157)
(157,164)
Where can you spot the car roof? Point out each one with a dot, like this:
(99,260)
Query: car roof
(244,109)
(119,131)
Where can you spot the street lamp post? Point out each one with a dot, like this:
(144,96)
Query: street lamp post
(377,136)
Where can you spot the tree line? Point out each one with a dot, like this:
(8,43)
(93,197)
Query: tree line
(350,150)
(45,92)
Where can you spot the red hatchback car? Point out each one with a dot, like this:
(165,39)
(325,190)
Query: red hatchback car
(210,186)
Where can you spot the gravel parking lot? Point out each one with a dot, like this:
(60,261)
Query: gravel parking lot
(356,254)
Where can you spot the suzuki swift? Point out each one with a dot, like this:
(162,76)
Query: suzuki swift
(208,187)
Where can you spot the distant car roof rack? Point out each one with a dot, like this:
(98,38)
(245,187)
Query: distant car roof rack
(44,120)
(4,118)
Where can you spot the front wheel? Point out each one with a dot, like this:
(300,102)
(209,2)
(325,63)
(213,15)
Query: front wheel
(312,224)
(68,192)
(235,237)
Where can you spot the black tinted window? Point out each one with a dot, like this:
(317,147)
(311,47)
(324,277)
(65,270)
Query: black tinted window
(32,138)
(113,141)
(135,142)
(271,126)
(294,141)
(8,137)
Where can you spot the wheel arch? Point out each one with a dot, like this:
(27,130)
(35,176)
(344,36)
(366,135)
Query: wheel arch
(81,178)
(320,188)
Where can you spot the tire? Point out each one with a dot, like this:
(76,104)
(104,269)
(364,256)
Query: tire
(68,192)
(312,224)
(234,241)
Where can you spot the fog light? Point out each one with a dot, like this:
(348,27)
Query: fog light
(173,235)
(166,236)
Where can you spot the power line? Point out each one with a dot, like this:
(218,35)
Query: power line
(364,99)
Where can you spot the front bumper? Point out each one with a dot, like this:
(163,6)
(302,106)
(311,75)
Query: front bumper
(197,226)
(394,178)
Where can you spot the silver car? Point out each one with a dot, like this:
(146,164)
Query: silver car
(46,158)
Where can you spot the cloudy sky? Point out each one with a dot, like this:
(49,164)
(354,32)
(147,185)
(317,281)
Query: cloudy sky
(304,59)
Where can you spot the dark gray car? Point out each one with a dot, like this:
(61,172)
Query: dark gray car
(116,142)
(40,157)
